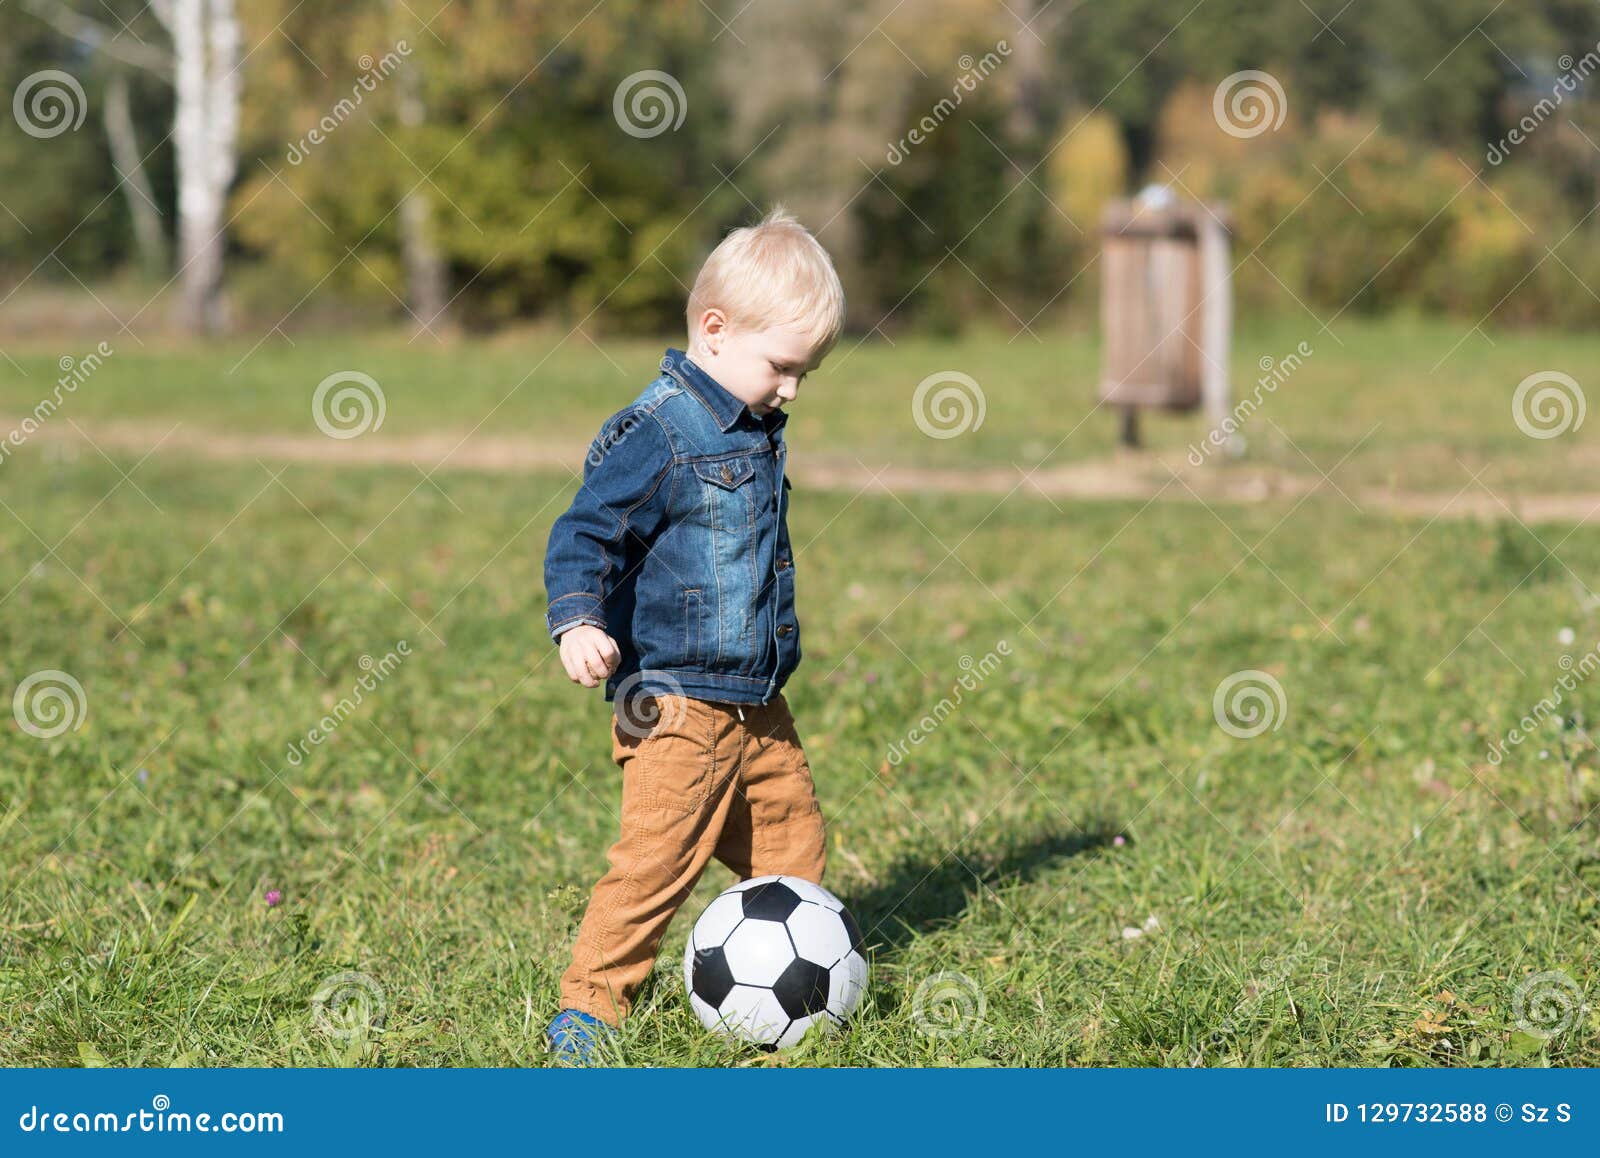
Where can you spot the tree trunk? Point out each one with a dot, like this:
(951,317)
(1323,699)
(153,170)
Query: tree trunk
(425,271)
(205,39)
(1028,60)
(426,276)
(150,242)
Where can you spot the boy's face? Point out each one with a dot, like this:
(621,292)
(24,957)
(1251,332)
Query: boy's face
(761,368)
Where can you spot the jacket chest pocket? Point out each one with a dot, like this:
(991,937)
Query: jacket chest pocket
(725,494)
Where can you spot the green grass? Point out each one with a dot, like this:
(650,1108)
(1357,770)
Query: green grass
(1359,886)
(1415,404)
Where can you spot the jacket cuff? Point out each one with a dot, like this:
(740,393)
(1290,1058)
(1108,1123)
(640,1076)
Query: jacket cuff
(567,611)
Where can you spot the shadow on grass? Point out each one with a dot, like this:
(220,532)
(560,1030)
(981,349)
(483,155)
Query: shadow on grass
(915,896)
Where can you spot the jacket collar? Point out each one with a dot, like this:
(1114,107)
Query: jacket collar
(724,407)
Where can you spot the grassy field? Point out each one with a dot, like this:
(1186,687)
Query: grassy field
(1081,866)
(1414,404)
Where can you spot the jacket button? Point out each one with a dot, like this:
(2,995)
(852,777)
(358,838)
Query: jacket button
(727,473)
(782,563)
(784,629)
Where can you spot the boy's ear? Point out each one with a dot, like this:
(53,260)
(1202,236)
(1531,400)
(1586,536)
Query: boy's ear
(713,325)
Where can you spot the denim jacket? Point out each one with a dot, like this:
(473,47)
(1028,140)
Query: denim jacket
(677,544)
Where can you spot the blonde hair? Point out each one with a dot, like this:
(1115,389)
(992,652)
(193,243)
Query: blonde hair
(771,274)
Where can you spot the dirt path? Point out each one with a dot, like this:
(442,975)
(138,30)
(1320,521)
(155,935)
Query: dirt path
(1136,477)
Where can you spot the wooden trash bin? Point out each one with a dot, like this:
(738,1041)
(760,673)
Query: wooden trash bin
(1166,307)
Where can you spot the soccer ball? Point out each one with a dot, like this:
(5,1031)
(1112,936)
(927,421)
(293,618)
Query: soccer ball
(770,958)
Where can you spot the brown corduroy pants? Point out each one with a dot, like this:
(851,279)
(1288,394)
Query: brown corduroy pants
(703,780)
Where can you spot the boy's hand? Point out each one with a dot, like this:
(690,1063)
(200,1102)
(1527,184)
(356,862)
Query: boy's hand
(589,655)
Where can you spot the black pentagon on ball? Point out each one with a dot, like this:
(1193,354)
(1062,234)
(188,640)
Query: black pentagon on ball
(802,988)
(773,901)
(713,979)
(854,931)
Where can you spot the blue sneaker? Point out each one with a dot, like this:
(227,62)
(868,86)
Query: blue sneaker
(574,1036)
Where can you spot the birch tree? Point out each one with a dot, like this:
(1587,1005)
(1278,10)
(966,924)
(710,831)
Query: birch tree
(205,52)
(121,51)
(203,69)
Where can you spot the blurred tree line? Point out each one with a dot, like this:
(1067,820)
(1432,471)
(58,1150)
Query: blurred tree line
(466,163)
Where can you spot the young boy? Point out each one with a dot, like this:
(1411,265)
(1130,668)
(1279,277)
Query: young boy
(671,578)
